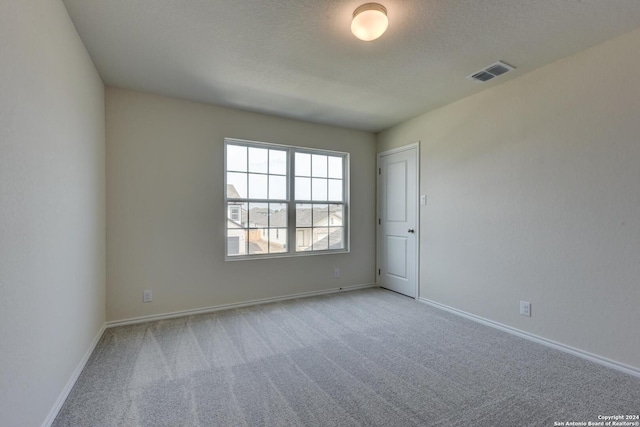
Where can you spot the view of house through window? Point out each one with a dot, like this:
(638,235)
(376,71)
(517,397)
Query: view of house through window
(284,200)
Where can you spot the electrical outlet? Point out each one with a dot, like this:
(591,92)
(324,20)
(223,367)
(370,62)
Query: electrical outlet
(336,273)
(147,296)
(525,308)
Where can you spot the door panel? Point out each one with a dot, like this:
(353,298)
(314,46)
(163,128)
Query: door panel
(397,213)
(396,256)
(396,190)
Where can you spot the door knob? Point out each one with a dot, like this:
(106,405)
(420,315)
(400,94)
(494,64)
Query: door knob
(411,230)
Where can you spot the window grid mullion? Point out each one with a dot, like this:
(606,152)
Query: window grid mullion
(292,214)
(268,205)
(326,177)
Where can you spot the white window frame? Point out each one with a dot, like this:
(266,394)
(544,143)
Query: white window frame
(290,201)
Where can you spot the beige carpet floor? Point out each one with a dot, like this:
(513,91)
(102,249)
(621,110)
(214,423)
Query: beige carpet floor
(361,358)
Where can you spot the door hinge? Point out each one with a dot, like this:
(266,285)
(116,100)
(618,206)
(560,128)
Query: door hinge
(379,171)
(378,272)
(379,221)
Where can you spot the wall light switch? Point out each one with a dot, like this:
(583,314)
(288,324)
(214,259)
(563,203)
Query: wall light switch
(423,200)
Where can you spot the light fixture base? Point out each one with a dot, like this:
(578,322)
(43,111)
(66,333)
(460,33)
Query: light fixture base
(369,6)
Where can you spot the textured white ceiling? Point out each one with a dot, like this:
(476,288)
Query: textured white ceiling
(298,58)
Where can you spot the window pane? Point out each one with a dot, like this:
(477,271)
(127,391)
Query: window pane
(303,239)
(303,164)
(336,213)
(259,241)
(336,239)
(277,162)
(303,215)
(236,214)
(277,187)
(335,189)
(257,186)
(319,189)
(320,239)
(303,188)
(258,215)
(258,160)
(236,185)
(320,214)
(277,240)
(236,158)
(335,167)
(319,166)
(277,215)
(236,242)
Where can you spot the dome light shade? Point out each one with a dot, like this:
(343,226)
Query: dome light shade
(369,21)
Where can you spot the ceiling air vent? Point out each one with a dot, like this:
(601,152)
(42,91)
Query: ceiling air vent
(490,72)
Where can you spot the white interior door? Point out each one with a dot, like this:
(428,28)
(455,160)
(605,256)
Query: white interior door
(397,237)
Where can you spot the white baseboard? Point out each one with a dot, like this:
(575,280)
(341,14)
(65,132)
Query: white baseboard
(211,309)
(627,369)
(53,413)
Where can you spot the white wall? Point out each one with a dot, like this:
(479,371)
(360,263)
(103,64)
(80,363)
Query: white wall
(534,193)
(166,217)
(52,189)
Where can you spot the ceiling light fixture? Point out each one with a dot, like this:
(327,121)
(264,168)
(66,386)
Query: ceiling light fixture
(369,21)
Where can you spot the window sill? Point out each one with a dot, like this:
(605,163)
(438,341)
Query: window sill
(284,255)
